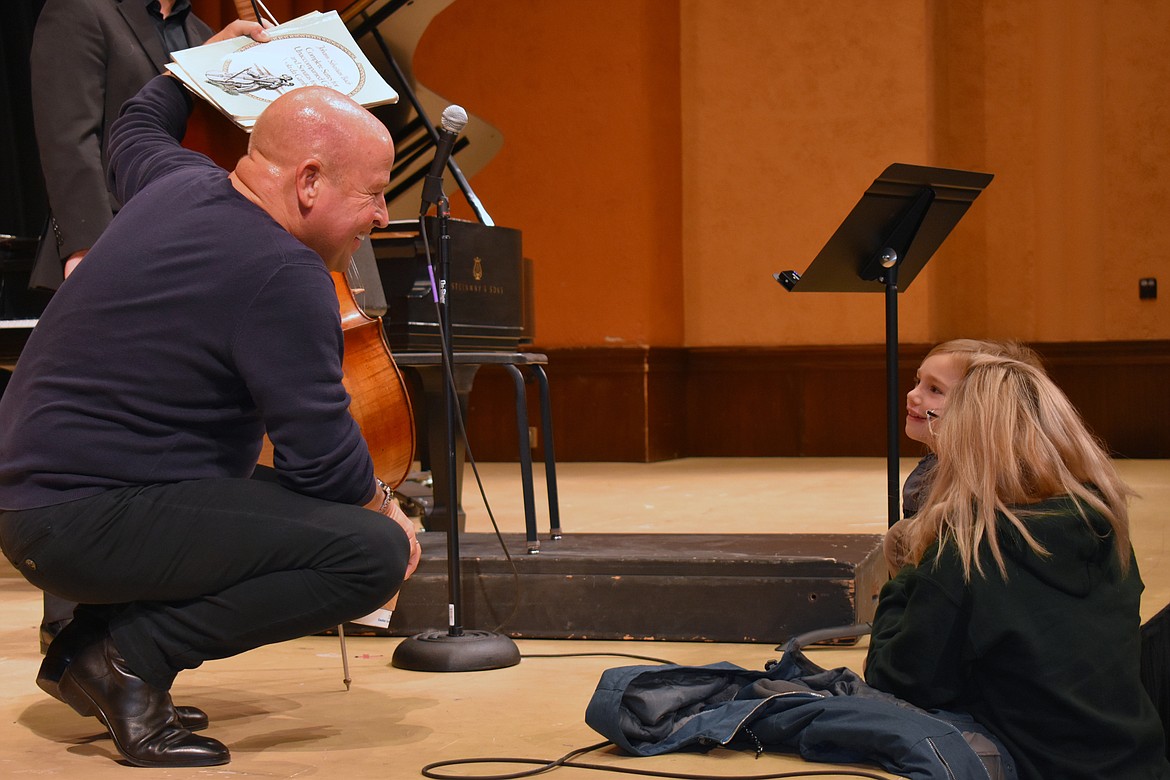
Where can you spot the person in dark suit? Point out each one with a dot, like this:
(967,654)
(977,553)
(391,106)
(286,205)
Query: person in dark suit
(88,58)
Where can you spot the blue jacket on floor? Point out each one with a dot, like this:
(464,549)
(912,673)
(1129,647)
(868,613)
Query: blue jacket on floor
(794,706)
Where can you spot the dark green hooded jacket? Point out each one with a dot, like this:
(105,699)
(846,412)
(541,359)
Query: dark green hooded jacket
(1046,658)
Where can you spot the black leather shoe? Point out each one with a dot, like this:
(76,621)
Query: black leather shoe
(139,717)
(76,635)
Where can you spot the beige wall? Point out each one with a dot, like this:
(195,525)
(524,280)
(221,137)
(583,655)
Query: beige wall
(664,157)
(1069,108)
(708,144)
(791,109)
(586,95)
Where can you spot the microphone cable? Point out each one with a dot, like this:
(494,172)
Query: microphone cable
(568,760)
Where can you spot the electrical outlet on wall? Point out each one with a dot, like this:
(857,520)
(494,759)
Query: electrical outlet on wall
(1147,288)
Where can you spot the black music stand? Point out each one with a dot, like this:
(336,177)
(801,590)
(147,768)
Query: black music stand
(897,226)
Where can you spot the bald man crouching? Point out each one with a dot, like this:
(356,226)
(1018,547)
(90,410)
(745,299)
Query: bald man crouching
(203,317)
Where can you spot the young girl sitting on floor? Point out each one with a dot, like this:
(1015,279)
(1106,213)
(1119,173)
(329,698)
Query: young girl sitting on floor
(1016,598)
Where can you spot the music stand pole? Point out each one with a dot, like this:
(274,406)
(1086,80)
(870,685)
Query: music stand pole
(890,261)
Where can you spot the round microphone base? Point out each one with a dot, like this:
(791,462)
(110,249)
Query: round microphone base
(441,651)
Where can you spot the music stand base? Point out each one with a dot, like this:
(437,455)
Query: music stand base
(440,651)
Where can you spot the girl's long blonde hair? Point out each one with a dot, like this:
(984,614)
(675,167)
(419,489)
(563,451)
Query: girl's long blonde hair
(1009,439)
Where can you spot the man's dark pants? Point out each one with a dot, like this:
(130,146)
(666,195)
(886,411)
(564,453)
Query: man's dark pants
(192,571)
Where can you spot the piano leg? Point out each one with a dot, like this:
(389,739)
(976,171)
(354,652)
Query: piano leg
(431,417)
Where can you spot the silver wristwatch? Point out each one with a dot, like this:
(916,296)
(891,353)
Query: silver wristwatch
(387,495)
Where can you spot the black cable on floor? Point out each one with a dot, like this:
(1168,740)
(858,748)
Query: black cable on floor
(544,765)
(598,655)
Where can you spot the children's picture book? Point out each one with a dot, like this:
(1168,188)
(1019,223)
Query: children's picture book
(242,76)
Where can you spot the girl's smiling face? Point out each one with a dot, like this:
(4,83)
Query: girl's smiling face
(937,375)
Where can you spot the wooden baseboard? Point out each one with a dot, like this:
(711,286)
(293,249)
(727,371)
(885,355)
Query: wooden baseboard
(648,403)
(1121,388)
(621,404)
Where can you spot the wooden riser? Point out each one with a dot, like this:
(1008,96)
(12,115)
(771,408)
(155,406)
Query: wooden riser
(675,587)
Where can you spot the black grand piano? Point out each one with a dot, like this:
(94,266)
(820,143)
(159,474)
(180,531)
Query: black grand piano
(490,280)
(19,306)
(490,284)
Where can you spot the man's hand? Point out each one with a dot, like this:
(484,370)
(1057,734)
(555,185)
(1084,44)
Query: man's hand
(241,27)
(395,513)
(73,261)
(392,510)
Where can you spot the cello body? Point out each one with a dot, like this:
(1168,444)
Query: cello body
(379,401)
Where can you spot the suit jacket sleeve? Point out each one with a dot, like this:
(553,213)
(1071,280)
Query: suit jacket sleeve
(88,57)
(69,64)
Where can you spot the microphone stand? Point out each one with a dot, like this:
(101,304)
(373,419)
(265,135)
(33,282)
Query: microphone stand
(456,649)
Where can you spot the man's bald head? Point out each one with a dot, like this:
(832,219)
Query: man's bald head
(313,122)
(319,164)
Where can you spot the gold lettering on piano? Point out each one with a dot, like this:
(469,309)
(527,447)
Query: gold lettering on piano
(482,289)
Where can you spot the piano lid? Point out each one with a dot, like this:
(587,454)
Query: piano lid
(388,32)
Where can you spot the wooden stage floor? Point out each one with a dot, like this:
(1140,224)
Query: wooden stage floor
(284,711)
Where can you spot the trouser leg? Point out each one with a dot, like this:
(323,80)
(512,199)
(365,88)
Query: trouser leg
(208,568)
(56,615)
(56,609)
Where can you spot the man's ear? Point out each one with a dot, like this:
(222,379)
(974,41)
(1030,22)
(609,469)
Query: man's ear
(309,182)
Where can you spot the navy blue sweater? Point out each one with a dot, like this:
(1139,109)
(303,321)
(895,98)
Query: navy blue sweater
(194,323)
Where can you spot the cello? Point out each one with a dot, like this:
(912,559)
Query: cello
(380,405)
(379,401)
(378,398)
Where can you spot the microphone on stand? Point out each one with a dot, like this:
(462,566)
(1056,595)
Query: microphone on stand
(451,124)
(454,650)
